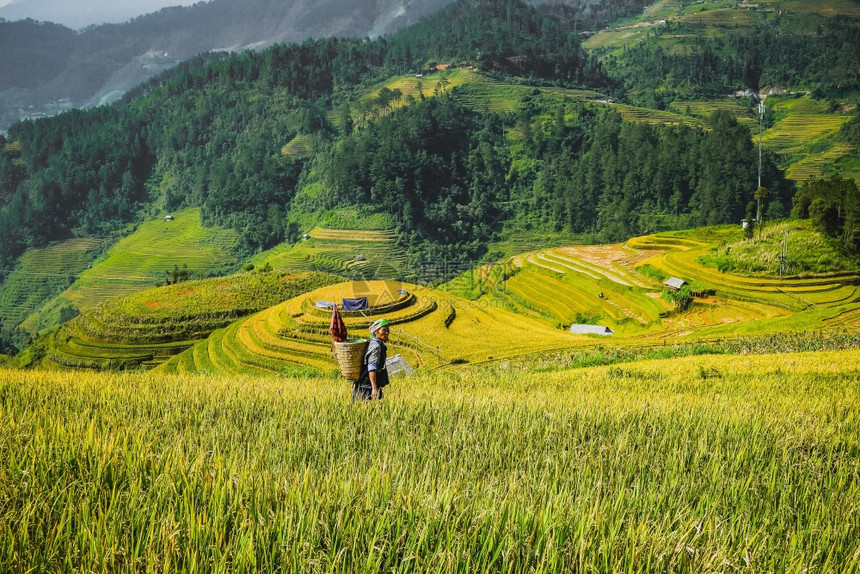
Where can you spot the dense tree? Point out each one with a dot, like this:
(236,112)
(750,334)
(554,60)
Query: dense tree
(833,205)
(652,73)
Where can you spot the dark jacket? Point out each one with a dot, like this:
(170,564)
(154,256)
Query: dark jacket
(374,360)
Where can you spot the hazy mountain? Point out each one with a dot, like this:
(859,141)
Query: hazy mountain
(77,15)
(47,67)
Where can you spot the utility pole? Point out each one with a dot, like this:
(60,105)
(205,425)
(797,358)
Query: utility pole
(760,123)
(758,221)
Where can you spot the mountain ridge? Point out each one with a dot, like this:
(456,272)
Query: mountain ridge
(49,68)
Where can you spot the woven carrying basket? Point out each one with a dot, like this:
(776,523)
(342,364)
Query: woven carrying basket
(349,355)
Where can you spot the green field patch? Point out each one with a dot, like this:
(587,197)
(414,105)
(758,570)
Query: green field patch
(826,8)
(703,110)
(353,235)
(300,146)
(616,38)
(356,219)
(722,18)
(41,275)
(351,253)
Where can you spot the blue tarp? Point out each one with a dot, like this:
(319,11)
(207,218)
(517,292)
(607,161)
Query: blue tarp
(355,304)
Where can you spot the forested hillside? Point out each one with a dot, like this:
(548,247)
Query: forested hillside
(214,133)
(672,63)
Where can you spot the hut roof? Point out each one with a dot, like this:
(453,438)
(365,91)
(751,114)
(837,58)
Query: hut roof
(674,283)
(581,329)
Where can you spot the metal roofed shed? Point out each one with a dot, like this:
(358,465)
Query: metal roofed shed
(582,329)
(674,283)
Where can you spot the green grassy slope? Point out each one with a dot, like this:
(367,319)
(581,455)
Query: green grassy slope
(142,259)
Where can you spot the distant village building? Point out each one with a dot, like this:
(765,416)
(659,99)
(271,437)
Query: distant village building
(583,329)
(674,283)
(168,217)
(306,236)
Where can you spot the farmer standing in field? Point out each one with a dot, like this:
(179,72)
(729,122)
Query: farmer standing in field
(374,376)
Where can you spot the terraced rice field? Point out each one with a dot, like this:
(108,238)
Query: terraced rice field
(427,84)
(541,292)
(649,116)
(722,18)
(800,129)
(299,146)
(42,274)
(486,95)
(429,329)
(474,90)
(601,285)
(703,110)
(806,136)
(358,254)
(570,290)
(819,165)
(795,294)
(76,353)
(145,329)
(141,260)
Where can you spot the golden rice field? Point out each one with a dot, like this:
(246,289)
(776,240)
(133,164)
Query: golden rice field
(606,285)
(145,329)
(429,329)
(747,463)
